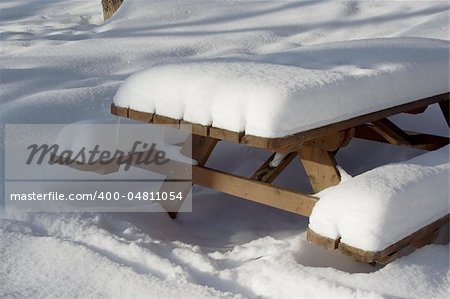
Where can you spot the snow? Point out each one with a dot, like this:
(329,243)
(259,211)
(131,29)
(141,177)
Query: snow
(60,64)
(382,206)
(111,135)
(75,255)
(287,92)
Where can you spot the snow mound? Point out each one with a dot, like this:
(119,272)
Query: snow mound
(292,91)
(377,208)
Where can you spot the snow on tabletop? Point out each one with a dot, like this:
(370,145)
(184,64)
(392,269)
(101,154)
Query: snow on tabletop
(286,92)
(382,206)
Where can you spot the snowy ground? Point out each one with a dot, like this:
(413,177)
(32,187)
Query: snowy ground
(59,64)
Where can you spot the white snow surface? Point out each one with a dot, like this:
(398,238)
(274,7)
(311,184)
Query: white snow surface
(111,135)
(287,92)
(60,64)
(382,206)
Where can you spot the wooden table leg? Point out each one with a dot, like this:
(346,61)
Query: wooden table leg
(318,158)
(445,110)
(267,173)
(200,149)
(320,166)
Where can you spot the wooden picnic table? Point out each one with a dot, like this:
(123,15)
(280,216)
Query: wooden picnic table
(316,149)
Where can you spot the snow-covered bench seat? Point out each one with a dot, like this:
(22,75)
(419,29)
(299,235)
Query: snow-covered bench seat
(299,90)
(365,215)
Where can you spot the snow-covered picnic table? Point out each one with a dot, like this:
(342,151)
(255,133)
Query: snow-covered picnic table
(61,63)
(309,102)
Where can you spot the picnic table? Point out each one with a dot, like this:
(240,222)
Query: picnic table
(316,148)
(304,103)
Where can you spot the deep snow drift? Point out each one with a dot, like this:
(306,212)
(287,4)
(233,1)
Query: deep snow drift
(60,64)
